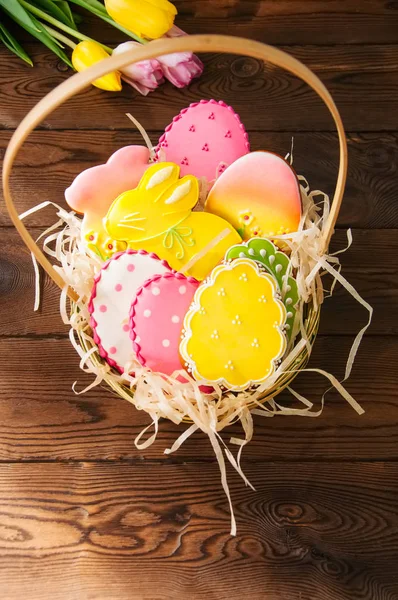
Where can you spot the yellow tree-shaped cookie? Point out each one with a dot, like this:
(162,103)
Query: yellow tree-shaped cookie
(157,217)
(233,331)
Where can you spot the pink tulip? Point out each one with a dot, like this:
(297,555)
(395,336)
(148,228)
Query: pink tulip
(180,67)
(145,76)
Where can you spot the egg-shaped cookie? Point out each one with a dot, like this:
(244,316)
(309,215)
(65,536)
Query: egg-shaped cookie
(259,195)
(156,317)
(234,329)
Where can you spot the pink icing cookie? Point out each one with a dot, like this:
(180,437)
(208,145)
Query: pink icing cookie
(115,287)
(204,139)
(156,318)
(93,191)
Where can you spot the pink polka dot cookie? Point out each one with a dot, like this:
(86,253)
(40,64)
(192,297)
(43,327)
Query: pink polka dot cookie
(204,139)
(115,288)
(156,318)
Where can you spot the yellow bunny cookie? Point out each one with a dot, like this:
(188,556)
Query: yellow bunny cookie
(157,217)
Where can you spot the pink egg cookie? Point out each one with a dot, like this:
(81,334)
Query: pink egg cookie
(204,139)
(259,195)
(115,288)
(156,318)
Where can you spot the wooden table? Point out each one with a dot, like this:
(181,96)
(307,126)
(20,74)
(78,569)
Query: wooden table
(84,515)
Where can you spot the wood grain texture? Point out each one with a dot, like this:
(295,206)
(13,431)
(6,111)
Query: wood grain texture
(362,79)
(86,516)
(42,419)
(369,200)
(282,22)
(83,531)
(376,279)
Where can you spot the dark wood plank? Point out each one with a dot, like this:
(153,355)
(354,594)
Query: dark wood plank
(362,79)
(149,532)
(369,201)
(375,278)
(41,418)
(283,22)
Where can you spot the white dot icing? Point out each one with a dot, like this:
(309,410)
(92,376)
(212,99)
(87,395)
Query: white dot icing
(175,319)
(155,290)
(166,343)
(182,289)
(147,313)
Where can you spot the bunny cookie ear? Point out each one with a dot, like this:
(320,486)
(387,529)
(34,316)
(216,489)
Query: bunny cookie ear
(157,179)
(180,197)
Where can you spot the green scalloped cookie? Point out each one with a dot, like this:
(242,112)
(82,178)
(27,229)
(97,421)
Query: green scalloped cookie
(277,264)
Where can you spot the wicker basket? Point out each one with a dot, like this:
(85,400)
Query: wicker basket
(195,43)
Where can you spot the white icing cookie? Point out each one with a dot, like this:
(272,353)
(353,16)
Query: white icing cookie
(115,288)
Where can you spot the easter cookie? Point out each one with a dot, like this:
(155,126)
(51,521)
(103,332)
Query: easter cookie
(156,319)
(204,139)
(259,195)
(279,265)
(233,331)
(114,289)
(93,191)
(157,216)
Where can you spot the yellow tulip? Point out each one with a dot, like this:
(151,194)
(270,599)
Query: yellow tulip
(146,18)
(88,53)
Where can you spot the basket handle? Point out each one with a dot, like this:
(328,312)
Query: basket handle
(193,43)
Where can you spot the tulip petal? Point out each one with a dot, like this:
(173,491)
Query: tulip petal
(88,53)
(148,18)
(145,75)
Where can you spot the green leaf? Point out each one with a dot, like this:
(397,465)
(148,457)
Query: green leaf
(55,11)
(77,18)
(12,44)
(42,35)
(96,5)
(50,42)
(18,13)
(64,6)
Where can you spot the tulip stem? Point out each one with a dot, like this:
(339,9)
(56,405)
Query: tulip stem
(58,36)
(43,15)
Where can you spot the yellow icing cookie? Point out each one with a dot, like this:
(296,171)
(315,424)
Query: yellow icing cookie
(233,331)
(157,217)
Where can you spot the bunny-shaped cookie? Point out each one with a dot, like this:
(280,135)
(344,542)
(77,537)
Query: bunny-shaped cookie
(157,217)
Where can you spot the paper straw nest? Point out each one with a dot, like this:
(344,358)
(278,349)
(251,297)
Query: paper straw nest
(165,396)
